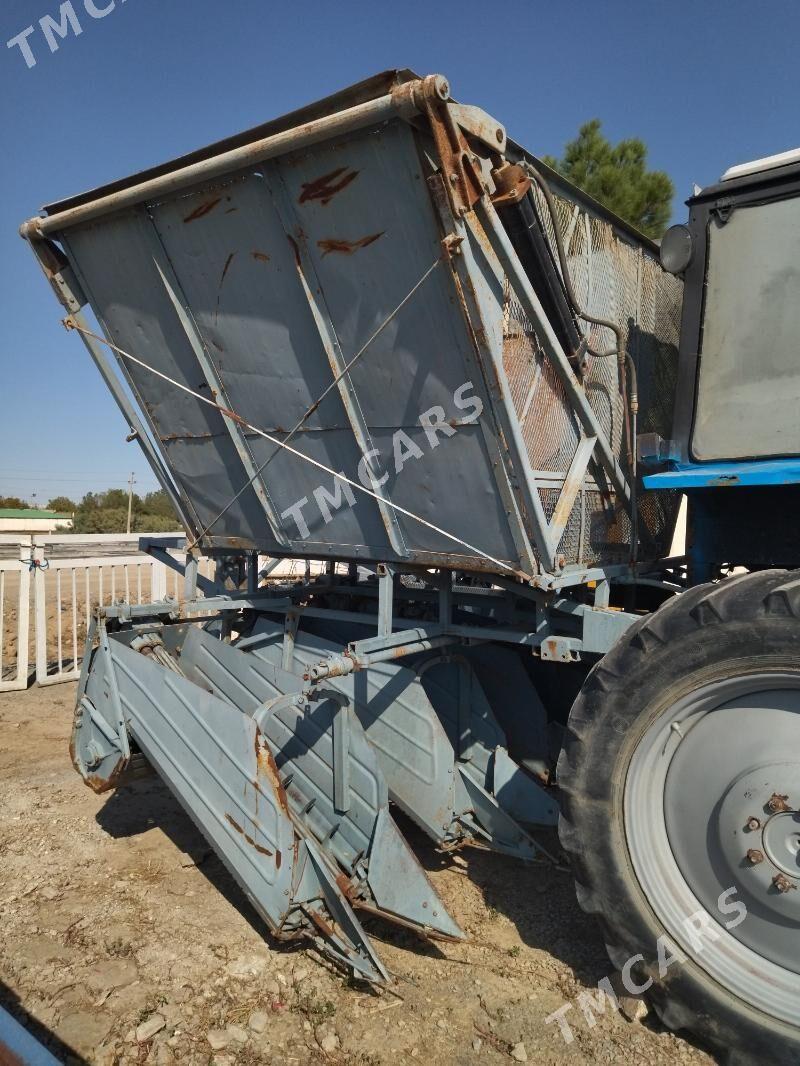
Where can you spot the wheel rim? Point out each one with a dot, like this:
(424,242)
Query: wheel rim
(704,807)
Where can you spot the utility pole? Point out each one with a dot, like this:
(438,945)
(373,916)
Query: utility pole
(131,483)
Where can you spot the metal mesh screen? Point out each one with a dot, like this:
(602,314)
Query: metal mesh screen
(615,278)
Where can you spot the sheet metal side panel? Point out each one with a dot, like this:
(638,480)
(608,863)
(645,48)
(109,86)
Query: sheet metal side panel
(206,752)
(237,270)
(128,298)
(246,319)
(370,242)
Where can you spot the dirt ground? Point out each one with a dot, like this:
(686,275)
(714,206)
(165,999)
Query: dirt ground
(125,941)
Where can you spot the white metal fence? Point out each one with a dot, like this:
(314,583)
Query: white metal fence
(15,584)
(73,574)
(69,575)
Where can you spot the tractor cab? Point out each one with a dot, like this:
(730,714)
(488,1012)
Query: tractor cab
(737,409)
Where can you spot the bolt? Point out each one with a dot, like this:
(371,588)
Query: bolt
(453,179)
(782,883)
(776,802)
(753,823)
(499,136)
(754,856)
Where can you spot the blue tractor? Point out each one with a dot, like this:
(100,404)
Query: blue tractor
(679,775)
(378,336)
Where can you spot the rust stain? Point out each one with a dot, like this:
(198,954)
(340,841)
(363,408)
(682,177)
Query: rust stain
(333,244)
(295,249)
(260,257)
(265,764)
(234,418)
(326,928)
(326,187)
(203,209)
(247,837)
(278,860)
(100,784)
(346,887)
(186,436)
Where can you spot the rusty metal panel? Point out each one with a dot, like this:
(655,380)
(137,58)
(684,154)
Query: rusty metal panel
(371,226)
(362,213)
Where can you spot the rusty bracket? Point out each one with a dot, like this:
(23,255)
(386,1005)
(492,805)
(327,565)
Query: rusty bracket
(511,184)
(464,179)
(452,245)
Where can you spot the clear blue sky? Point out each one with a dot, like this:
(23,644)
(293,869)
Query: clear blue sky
(705,84)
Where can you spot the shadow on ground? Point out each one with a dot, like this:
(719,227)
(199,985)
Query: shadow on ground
(536,897)
(62,1052)
(539,901)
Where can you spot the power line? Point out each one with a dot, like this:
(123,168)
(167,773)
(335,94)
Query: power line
(64,480)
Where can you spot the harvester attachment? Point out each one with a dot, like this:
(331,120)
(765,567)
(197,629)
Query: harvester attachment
(284,784)
(440,745)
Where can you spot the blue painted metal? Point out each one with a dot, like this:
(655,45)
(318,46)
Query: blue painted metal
(336,796)
(285,785)
(688,476)
(18,1047)
(412,717)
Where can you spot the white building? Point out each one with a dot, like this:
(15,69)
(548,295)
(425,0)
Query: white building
(31,520)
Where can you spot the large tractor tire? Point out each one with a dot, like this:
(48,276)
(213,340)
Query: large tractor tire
(680,782)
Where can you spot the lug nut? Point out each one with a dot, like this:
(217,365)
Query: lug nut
(776,803)
(782,883)
(753,823)
(754,856)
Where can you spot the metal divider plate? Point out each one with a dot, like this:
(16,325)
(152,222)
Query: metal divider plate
(206,752)
(335,787)
(417,740)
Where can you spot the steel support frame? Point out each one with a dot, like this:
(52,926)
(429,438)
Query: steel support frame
(592,446)
(465,267)
(513,490)
(504,251)
(562,628)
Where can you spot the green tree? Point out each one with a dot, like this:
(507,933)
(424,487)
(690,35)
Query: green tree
(13,502)
(100,520)
(90,502)
(63,504)
(117,498)
(158,503)
(107,512)
(617,176)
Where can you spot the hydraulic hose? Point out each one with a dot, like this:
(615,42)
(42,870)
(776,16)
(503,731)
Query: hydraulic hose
(562,259)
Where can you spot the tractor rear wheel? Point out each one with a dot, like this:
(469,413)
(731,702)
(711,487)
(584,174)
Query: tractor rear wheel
(680,783)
